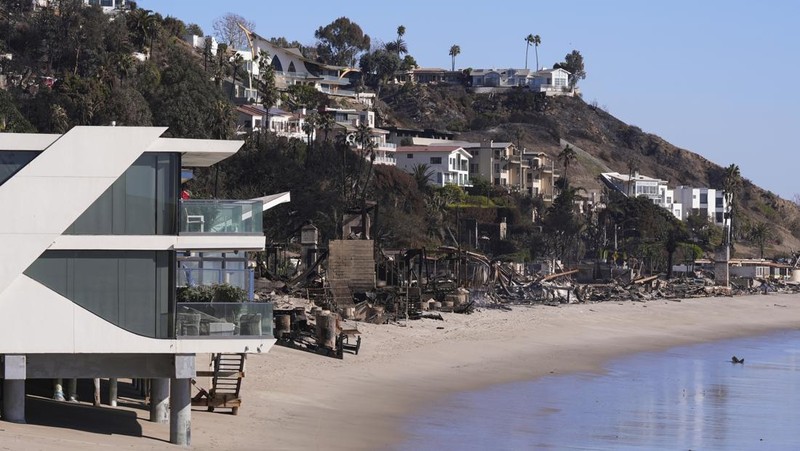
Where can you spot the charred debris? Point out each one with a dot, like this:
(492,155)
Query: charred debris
(362,283)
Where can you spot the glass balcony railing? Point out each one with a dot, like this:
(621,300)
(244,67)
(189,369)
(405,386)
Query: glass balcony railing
(223,319)
(221,216)
(241,278)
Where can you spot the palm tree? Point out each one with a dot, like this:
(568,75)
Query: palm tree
(760,234)
(455,50)
(731,184)
(567,156)
(326,123)
(398,46)
(422,175)
(236,61)
(534,40)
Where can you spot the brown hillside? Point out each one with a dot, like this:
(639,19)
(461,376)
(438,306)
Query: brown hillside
(607,142)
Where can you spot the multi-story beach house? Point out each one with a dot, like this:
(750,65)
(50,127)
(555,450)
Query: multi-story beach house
(707,201)
(94,224)
(447,164)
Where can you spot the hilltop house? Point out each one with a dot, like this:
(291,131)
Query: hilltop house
(280,122)
(292,68)
(447,164)
(347,122)
(108,6)
(551,82)
(94,226)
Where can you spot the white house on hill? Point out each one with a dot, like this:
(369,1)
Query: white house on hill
(448,164)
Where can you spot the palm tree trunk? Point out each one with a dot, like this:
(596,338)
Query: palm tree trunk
(527,46)
(536,49)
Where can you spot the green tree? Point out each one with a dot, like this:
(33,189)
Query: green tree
(760,235)
(532,40)
(562,226)
(236,62)
(340,42)
(398,46)
(267,90)
(305,96)
(194,29)
(379,67)
(455,50)
(143,25)
(11,120)
(422,175)
(573,63)
(731,185)
(566,157)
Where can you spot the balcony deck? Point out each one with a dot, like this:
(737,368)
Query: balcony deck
(229,217)
(199,320)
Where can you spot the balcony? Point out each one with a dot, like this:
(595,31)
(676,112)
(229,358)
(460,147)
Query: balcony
(241,278)
(223,319)
(227,217)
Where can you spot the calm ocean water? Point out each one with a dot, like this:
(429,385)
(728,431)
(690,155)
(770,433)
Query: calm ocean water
(686,398)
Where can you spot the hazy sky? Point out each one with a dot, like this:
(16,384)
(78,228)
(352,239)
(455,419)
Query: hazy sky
(716,77)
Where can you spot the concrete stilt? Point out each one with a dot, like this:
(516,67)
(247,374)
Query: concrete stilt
(96,382)
(14,400)
(14,373)
(159,400)
(112,392)
(180,412)
(72,390)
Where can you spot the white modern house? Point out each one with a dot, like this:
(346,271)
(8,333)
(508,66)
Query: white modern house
(551,82)
(199,42)
(637,185)
(708,201)
(93,227)
(447,164)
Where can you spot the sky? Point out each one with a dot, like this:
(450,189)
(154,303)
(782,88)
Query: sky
(716,77)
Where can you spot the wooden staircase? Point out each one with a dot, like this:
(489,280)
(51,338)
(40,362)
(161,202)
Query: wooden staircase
(226,383)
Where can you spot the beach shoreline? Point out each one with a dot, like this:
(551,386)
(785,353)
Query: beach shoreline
(299,400)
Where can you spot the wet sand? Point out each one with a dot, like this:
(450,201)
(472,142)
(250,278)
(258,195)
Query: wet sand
(296,400)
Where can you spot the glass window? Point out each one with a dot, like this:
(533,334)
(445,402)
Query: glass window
(129,289)
(436,160)
(11,162)
(409,155)
(142,201)
(703,198)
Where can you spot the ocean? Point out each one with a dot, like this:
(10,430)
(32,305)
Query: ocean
(685,398)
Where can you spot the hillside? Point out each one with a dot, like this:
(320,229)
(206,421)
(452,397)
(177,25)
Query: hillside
(608,144)
(136,70)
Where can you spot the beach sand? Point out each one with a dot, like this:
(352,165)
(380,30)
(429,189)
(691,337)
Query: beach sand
(298,400)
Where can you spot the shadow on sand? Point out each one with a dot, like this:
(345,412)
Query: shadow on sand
(80,416)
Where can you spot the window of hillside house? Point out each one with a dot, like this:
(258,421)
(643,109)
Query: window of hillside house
(703,198)
(409,155)
(719,217)
(718,202)
(436,160)
(496,168)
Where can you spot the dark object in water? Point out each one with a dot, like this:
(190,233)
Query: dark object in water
(735,359)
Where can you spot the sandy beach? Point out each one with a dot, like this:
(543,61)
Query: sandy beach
(297,400)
